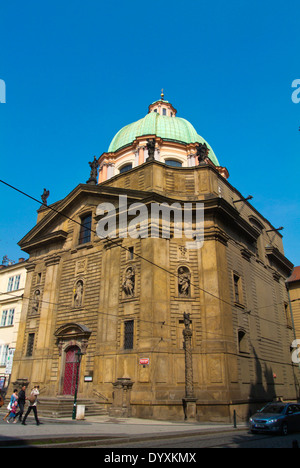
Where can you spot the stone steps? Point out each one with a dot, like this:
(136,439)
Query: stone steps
(62,407)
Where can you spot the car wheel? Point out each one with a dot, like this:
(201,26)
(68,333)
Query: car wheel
(284,429)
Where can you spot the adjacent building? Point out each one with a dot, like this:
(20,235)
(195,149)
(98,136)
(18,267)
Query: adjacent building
(112,309)
(12,282)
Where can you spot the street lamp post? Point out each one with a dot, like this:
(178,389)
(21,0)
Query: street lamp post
(79,355)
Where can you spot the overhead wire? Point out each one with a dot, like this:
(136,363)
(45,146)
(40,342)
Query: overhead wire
(57,211)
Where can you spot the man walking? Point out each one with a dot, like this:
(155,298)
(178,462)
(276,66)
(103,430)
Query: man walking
(21,401)
(32,405)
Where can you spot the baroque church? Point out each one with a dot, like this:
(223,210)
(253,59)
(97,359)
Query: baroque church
(152,326)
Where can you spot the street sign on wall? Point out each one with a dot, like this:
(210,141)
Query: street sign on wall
(9,361)
(144,361)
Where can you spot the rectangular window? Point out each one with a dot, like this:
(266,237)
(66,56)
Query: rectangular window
(85,229)
(242,340)
(4,318)
(288,316)
(11,314)
(30,343)
(17,282)
(128,334)
(13,283)
(236,281)
(131,253)
(10,283)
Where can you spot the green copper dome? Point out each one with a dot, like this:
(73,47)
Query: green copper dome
(168,128)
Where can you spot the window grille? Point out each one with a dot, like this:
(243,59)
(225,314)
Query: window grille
(30,344)
(128,334)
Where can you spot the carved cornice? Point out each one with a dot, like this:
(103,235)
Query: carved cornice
(54,260)
(56,236)
(220,208)
(215,233)
(279,259)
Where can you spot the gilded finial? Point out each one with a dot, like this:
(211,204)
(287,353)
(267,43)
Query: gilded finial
(162,94)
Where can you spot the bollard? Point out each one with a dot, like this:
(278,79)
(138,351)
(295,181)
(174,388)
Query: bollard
(234,418)
(80,412)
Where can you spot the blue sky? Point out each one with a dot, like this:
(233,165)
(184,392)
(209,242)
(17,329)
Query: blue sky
(76,72)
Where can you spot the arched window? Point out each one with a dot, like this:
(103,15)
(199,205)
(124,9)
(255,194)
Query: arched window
(173,162)
(125,168)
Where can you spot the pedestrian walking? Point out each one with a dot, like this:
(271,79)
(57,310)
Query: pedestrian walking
(21,401)
(13,398)
(13,412)
(32,405)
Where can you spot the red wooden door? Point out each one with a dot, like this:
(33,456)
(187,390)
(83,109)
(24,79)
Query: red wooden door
(71,367)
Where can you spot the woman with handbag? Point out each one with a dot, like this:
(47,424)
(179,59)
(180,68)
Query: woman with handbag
(13,398)
(32,405)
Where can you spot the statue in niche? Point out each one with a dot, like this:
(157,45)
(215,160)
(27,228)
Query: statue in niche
(129,282)
(78,293)
(36,301)
(184,282)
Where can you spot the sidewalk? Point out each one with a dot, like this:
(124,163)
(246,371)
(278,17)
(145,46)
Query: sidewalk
(104,429)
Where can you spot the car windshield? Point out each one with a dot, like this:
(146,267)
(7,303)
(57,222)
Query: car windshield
(274,409)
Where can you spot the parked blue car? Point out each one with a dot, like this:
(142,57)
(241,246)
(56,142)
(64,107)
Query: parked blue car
(276,417)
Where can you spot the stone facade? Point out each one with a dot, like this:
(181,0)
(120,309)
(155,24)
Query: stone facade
(121,302)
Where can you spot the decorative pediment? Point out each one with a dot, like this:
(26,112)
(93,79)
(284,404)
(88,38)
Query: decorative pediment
(73,329)
(72,334)
(51,228)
